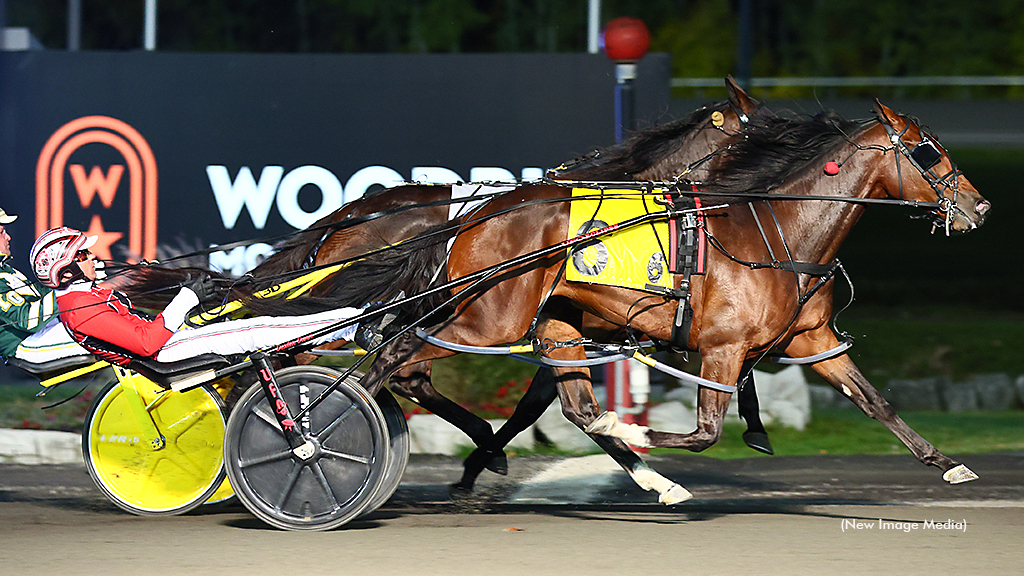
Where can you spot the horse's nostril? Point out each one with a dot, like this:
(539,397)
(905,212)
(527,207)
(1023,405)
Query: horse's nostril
(982,207)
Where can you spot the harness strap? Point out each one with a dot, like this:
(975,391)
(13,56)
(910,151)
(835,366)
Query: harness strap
(809,268)
(687,257)
(636,355)
(536,317)
(827,354)
(686,376)
(492,350)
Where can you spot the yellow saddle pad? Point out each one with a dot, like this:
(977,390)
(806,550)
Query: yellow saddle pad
(634,257)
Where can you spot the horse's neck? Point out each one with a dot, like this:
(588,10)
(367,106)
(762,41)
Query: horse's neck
(815,230)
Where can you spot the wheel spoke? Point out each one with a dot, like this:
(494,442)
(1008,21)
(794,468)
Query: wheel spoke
(342,456)
(337,422)
(263,413)
(272,457)
(184,424)
(184,461)
(322,479)
(293,479)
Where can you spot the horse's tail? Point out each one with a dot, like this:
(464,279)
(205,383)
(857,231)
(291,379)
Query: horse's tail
(412,266)
(296,252)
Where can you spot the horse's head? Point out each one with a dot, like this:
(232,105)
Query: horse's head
(926,173)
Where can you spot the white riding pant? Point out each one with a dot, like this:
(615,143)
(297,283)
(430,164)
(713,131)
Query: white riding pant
(251,334)
(51,342)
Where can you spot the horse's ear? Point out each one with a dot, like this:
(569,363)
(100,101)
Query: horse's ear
(738,96)
(886,114)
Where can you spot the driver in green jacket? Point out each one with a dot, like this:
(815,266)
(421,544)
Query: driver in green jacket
(29,326)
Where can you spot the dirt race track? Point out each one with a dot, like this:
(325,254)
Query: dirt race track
(833,515)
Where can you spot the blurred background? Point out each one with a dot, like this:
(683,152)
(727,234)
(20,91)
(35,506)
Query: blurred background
(335,97)
(959,67)
(705,38)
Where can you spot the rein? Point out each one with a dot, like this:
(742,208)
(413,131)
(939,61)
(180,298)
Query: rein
(643,188)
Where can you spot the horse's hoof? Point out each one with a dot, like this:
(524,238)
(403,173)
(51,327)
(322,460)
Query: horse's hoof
(675,495)
(480,459)
(959,475)
(603,424)
(759,441)
(498,464)
(459,492)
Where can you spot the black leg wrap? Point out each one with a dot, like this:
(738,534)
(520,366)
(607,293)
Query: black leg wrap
(756,437)
(758,441)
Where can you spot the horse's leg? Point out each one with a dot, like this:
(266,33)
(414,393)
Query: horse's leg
(540,394)
(721,364)
(844,375)
(580,407)
(746,397)
(413,382)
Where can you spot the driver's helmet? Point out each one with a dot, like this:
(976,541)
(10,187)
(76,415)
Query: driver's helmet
(54,251)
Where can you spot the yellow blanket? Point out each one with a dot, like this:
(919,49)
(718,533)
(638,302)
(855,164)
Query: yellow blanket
(633,257)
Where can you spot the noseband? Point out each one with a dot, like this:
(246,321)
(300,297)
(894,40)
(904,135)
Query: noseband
(924,156)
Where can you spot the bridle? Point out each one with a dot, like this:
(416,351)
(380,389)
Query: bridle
(924,156)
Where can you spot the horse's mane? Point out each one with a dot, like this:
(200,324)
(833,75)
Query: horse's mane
(774,148)
(638,153)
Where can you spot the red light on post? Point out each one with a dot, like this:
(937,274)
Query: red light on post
(626,38)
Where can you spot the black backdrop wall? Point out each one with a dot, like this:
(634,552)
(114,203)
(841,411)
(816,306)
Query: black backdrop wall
(155,148)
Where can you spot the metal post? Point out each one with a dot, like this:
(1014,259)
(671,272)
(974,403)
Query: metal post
(149,32)
(625,121)
(594,27)
(74,24)
(626,42)
(745,48)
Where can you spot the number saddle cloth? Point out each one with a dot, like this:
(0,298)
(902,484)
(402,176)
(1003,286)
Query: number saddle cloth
(652,256)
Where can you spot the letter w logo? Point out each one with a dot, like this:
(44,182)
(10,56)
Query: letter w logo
(96,183)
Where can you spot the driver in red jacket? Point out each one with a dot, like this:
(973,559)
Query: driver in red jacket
(105,323)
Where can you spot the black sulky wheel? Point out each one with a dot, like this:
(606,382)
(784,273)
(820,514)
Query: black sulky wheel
(398,432)
(337,482)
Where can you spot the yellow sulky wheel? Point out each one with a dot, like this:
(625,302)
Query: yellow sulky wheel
(167,472)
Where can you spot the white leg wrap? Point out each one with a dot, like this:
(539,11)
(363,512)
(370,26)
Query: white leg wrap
(959,475)
(608,424)
(669,492)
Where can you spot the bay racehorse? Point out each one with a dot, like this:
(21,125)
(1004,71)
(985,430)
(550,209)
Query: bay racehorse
(685,148)
(798,188)
(682,148)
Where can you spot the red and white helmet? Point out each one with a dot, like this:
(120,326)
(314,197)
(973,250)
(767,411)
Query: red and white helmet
(54,251)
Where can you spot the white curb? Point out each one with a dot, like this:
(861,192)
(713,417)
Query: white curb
(40,447)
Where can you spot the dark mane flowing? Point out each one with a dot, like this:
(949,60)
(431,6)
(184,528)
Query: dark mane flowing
(640,152)
(777,147)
